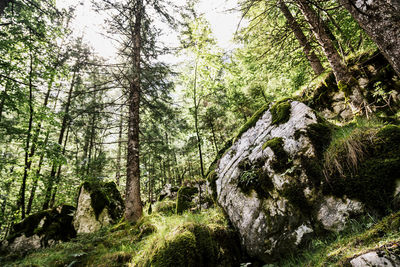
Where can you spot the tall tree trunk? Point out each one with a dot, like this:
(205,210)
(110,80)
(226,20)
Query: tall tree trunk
(381,20)
(64,125)
(298,33)
(133,203)
(196,120)
(28,161)
(213,137)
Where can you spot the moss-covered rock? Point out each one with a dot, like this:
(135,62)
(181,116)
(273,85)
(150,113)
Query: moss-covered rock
(41,229)
(198,245)
(184,199)
(254,177)
(99,204)
(280,112)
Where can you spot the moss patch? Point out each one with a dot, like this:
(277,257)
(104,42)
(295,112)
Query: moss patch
(251,122)
(184,198)
(194,245)
(282,160)
(294,193)
(105,195)
(280,112)
(253,177)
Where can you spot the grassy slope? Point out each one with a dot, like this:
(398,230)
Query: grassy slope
(119,245)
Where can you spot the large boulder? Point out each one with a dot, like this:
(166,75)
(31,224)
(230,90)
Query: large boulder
(41,229)
(269,182)
(99,204)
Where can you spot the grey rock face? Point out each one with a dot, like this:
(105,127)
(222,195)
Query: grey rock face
(99,204)
(279,211)
(169,192)
(376,258)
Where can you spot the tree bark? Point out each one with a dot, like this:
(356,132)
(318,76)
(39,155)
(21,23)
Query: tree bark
(118,164)
(133,203)
(381,21)
(317,27)
(302,39)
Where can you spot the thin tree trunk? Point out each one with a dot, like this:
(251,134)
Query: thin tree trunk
(28,161)
(58,176)
(118,165)
(302,39)
(64,125)
(133,203)
(196,126)
(213,136)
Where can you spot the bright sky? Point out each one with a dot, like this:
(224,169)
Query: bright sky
(90,24)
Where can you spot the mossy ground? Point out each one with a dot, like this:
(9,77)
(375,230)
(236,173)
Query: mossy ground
(359,237)
(147,241)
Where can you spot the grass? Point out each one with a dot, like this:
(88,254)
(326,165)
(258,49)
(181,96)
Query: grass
(349,140)
(118,245)
(359,237)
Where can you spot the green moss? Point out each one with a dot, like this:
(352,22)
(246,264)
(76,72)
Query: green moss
(184,198)
(253,177)
(373,181)
(280,112)
(282,160)
(197,245)
(105,195)
(251,122)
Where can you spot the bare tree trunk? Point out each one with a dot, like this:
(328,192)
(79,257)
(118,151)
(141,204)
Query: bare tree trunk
(133,203)
(381,20)
(28,161)
(118,165)
(307,49)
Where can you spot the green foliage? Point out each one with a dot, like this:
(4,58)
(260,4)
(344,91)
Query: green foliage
(166,207)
